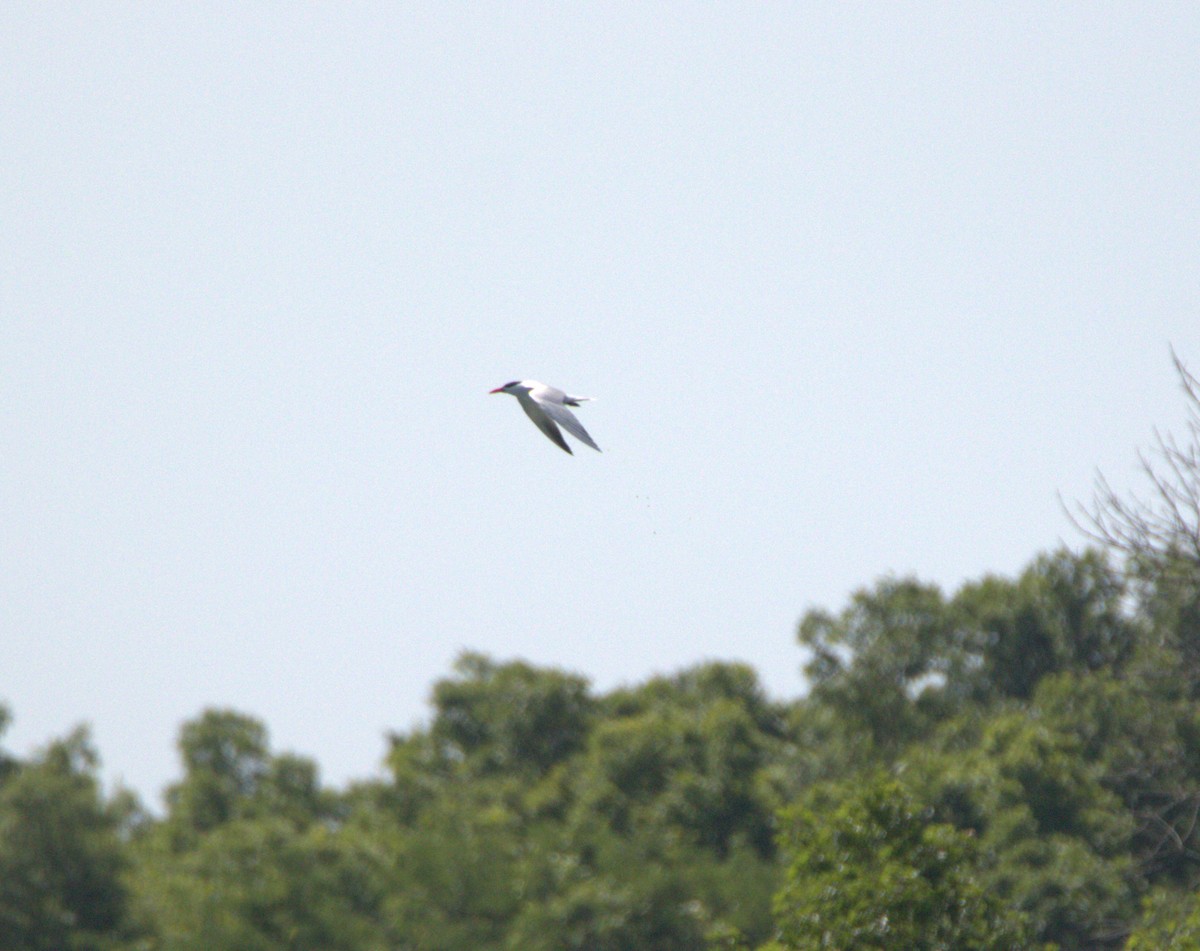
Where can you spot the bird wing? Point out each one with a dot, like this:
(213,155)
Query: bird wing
(566,419)
(544,393)
(543,422)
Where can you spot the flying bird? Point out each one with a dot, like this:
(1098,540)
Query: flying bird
(547,407)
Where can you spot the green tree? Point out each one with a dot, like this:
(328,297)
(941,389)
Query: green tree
(1170,922)
(871,663)
(689,755)
(870,869)
(510,717)
(1064,613)
(250,854)
(638,910)
(452,878)
(225,761)
(1142,740)
(1054,839)
(61,858)
(230,773)
(8,764)
(901,659)
(697,688)
(261,884)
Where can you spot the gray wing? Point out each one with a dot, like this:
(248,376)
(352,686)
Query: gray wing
(545,423)
(566,419)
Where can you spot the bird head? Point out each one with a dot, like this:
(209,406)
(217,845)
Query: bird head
(513,388)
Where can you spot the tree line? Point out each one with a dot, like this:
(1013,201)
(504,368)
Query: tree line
(1011,765)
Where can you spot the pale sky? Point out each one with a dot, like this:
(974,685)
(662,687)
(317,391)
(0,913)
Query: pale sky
(859,289)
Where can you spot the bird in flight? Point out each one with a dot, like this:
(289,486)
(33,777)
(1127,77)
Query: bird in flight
(547,407)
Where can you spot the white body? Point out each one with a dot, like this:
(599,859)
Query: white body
(547,407)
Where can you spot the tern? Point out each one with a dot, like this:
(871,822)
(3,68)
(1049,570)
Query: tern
(547,407)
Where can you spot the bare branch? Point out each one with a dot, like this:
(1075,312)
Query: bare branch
(1167,523)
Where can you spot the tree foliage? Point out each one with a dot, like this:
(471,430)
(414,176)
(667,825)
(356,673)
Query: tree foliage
(871,869)
(61,859)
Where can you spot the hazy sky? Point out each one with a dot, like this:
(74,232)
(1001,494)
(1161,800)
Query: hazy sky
(859,289)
